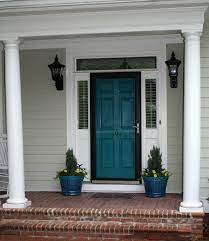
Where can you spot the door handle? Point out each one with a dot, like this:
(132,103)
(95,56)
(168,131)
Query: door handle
(136,127)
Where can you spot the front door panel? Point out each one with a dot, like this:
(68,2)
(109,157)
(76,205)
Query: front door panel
(115,116)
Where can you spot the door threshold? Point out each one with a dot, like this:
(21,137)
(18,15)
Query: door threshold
(124,182)
(114,188)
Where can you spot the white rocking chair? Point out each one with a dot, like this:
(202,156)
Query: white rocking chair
(4,179)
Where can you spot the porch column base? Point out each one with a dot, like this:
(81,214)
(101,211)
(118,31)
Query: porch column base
(191,207)
(17,205)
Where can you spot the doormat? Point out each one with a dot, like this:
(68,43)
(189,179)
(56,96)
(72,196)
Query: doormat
(113,195)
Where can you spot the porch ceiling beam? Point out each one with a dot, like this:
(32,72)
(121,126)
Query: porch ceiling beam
(183,19)
(22,6)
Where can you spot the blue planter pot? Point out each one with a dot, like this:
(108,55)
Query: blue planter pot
(155,186)
(71,185)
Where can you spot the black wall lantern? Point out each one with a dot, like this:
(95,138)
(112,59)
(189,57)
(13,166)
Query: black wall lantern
(173,65)
(57,73)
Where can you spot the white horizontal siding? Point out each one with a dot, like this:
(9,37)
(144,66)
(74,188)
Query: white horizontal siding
(204,191)
(205,122)
(174,117)
(43,185)
(48,158)
(43,168)
(44,120)
(1,92)
(31,132)
(204,133)
(44,141)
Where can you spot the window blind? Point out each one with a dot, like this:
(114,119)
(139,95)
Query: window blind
(83,104)
(151,103)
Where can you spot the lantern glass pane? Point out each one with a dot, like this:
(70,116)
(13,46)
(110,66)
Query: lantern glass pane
(173,70)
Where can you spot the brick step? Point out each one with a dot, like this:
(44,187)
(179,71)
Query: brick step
(66,221)
(16,227)
(103,237)
(106,215)
(134,215)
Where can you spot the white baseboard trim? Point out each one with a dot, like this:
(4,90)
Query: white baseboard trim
(92,187)
(205,205)
(17,205)
(191,210)
(89,187)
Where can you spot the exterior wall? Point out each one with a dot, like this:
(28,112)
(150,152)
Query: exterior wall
(1,91)
(44,111)
(175,122)
(44,119)
(2,102)
(204,191)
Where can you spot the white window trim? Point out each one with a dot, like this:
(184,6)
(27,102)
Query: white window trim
(154,133)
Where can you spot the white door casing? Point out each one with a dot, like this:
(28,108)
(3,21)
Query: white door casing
(149,137)
(82,148)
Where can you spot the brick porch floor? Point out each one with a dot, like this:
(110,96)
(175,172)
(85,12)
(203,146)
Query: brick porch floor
(88,200)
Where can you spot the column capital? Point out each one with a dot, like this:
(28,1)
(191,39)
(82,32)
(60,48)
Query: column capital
(13,42)
(193,36)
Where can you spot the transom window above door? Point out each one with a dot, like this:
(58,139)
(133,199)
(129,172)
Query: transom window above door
(116,63)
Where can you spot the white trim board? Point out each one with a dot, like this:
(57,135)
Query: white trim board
(88,187)
(185,19)
(205,205)
(75,42)
(43,5)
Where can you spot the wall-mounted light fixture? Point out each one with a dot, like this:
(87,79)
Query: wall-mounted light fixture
(57,70)
(173,65)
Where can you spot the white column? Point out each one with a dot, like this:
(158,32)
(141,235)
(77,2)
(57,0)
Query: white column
(191,168)
(14,127)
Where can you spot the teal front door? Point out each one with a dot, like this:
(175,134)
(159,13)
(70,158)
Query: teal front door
(115,119)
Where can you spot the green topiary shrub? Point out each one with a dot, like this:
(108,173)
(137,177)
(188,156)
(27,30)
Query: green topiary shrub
(155,160)
(154,164)
(71,162)
(72,167)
